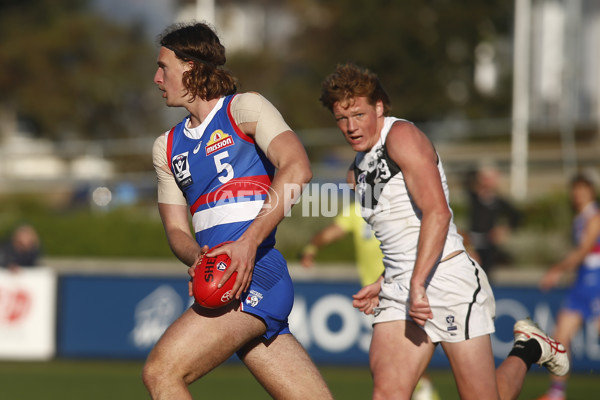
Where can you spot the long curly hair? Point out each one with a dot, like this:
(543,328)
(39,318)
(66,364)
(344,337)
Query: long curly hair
(198,43)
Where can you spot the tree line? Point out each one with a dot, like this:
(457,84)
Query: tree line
(68,72)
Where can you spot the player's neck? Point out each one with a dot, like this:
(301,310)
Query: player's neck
(199,110)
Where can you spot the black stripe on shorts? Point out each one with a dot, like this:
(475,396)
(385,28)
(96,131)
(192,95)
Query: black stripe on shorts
(467,336)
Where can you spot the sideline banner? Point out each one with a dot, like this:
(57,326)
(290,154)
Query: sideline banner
(27,314)
(116,316)
(122,317)
(333,332)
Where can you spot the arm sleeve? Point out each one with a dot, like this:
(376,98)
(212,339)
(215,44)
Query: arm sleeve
(168,191)
(252,107)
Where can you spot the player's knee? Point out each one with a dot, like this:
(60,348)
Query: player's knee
(386,394)
(147,376)
(153,375)
(388,389)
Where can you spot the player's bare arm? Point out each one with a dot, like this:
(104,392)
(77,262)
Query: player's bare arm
(261,121)
(179,236)
(588,241)
(330,234)
(293,168)
(416,157)
(575,257)
(367,297)
(173,210)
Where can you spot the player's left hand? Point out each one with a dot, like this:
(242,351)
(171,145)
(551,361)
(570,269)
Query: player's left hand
(419,309)
(192,269)
(242,255)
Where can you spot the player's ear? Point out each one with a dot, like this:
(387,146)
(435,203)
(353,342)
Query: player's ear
(379,108)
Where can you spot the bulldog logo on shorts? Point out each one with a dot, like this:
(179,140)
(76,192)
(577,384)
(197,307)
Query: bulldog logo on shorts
(253,298)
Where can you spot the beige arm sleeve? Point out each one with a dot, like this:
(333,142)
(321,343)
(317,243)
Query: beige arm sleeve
(168,191)
(252,107)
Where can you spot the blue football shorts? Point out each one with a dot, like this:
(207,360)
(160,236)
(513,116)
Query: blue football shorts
(584,295)
(271,293)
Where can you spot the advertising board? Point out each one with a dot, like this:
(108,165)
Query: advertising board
(27,314)
(122,317)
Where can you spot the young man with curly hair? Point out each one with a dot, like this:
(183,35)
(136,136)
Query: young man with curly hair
(230,144)
(431,291)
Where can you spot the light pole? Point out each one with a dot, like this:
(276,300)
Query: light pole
(520,108)
(205,11)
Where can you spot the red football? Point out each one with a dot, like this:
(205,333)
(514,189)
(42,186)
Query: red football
(207,276)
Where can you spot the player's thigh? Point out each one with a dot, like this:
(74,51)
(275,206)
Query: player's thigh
(284,368)
(399,354)
(472,363)
(200,339)
(568,322)
(280,349)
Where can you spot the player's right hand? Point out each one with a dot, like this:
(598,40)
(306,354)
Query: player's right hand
(367,298)
(550,279)
(242,253)
(419,309)
(307,260)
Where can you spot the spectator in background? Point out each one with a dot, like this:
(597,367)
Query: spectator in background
(22,249)
(583,299)
(491,218)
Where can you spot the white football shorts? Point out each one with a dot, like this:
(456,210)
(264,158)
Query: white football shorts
(459,295)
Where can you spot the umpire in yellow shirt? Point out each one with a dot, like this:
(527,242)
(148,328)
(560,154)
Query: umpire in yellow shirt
(366,246)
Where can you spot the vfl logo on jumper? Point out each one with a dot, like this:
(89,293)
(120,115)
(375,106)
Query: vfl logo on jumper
(371,181)
(451,326)
(361,187)
(221,266)
(253,298)
(368,192)
(218,140)
(181,169)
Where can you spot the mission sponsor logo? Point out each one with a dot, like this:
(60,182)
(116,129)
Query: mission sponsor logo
(218,140)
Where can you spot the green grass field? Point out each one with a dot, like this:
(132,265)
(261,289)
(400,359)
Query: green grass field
(116,380)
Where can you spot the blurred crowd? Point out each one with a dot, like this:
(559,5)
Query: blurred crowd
(22,249)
